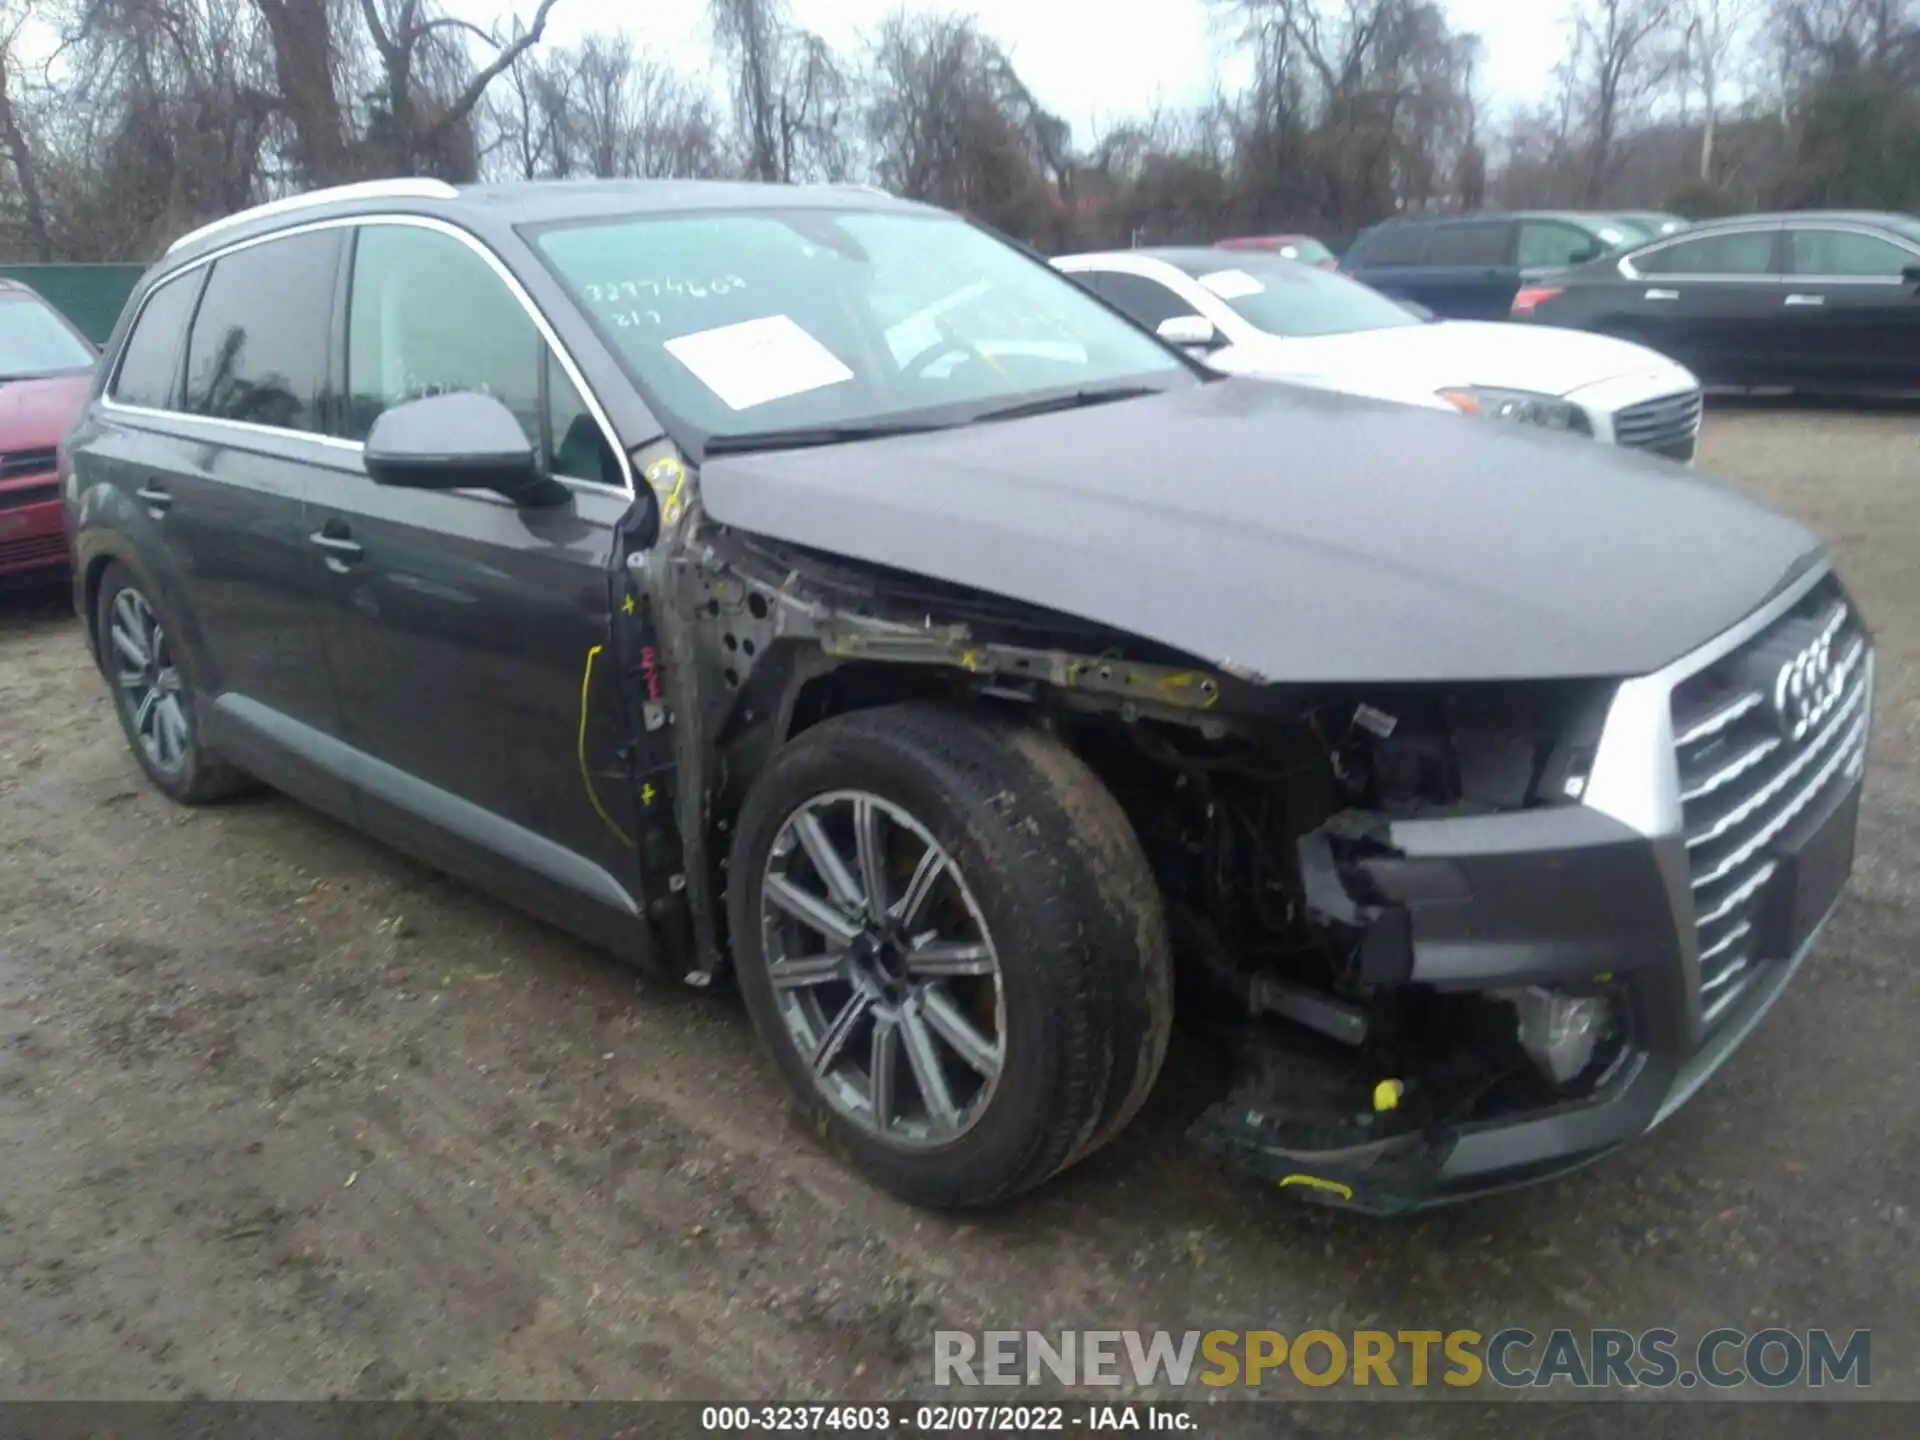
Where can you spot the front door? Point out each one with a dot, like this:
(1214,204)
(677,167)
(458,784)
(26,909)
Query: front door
(1850,314)
(468,630)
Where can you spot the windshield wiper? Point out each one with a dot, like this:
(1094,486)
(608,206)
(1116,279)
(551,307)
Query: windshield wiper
(803,436)
(1074,400)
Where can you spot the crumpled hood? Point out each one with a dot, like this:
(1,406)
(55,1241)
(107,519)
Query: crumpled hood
(1422,359)
(35,414)
(1297,535)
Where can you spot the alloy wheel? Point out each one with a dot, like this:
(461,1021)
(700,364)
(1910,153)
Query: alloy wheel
(882,968)
(150,683)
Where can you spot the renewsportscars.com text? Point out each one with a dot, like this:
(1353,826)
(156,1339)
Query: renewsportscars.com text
(1511,1358)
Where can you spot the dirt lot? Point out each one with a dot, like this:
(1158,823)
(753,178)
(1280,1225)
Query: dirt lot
(281,1114)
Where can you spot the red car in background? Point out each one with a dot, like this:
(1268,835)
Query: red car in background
(1304,248)
(46,369)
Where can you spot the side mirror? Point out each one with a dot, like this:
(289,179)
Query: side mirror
(1190,332)
(1911,275)
(463,441)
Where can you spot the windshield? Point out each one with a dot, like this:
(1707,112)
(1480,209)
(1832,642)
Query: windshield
(741,322)
(1283,298)
(35,341)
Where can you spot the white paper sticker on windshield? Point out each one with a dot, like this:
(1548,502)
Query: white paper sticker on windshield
(758,360)
(1231,284)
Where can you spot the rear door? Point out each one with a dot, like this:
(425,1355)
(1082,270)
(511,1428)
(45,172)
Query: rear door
(215,463)
(467,632)
(1471,271)
(1850,317)
(1711,302)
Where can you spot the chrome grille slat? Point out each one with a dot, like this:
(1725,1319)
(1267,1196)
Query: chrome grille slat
(1732,819)
(1728,774)
(1720,719)
(1668,423)
(1755,757)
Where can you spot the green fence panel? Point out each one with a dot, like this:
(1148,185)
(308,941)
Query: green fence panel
(91,296)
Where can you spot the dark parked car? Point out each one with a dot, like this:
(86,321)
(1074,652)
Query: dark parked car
(1469,267)
(1823,301)
(45,369)
(805,583)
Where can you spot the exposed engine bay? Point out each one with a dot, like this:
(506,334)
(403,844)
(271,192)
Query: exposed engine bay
(1266,813)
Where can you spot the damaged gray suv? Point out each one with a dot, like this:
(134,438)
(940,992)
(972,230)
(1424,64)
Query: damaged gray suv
(807,585)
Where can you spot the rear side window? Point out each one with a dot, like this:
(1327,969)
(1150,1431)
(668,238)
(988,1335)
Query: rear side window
(260,342)
(1401,245)
(150,360)
(1485,244)
(1745,252)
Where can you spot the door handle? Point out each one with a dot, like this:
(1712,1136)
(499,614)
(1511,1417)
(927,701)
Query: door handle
(342,550)
(1806,300)
(157,499)
(1663,294)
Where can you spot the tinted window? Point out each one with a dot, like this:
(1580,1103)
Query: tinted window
(1547,243)
(1146,301)
(1398,245)
(260,340)
(1846,252)
(150,360)
(1747,252)
(34,340)
(1481,244)
(429,316)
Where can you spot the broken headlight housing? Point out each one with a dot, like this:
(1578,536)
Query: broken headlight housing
(1524,407)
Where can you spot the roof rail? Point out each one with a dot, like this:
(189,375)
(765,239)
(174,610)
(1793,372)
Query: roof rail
(400,189)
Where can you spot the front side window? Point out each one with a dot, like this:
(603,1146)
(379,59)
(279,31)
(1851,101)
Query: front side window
(260,341)
(1846,253)
(429,316)
(35,341)
(1282,298)
(150,360)
(737,322)
(1742,252)
(1147,301)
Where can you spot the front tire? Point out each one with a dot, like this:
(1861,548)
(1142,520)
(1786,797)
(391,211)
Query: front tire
(153,696)
(1004,1008)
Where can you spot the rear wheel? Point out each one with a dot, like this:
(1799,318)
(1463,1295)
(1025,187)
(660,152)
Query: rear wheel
(948,936)
(153,698)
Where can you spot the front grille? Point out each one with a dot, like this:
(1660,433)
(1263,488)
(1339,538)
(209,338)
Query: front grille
(16,463)
(1667,426)
(29,495)
(34,550)
(1753,760)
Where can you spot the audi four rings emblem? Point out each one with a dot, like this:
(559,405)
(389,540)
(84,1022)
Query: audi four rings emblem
(1809,685)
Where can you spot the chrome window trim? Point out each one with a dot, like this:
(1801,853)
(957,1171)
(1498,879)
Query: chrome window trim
(1634,778)
(404,188)
(418,222)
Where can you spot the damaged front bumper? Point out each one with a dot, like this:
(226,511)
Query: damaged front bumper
(1688,886)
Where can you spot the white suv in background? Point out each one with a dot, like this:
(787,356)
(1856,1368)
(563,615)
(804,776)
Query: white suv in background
(1271,318)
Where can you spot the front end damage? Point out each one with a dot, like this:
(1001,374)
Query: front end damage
(1449,939)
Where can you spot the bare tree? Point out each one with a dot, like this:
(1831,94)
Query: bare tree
(20,154)
(1618,61)
(791,100)
(1712,33)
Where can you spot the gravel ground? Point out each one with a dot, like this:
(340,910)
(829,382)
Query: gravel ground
(282,1114)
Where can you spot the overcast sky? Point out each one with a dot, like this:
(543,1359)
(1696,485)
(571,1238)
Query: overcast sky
(1089,61)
